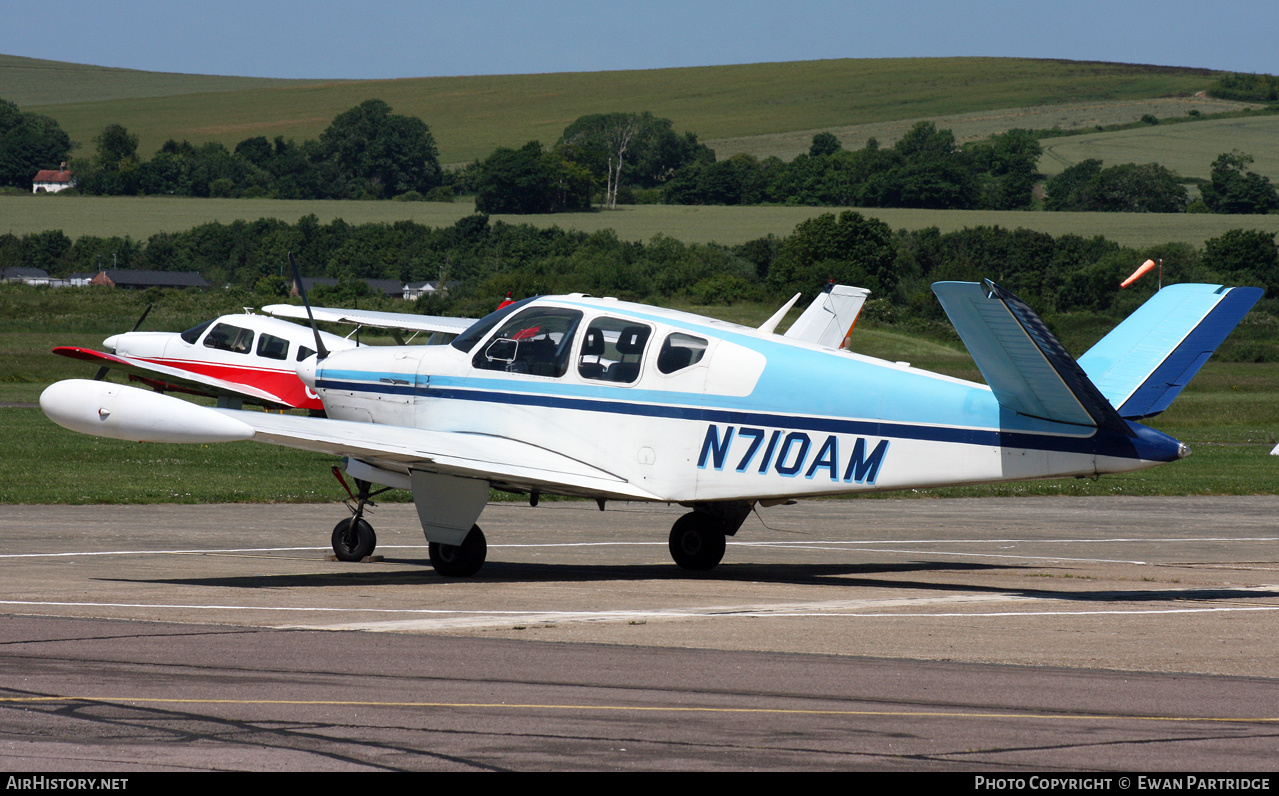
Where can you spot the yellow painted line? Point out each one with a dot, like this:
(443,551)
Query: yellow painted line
(642,709)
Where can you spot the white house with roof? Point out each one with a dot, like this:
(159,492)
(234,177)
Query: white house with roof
(52,180)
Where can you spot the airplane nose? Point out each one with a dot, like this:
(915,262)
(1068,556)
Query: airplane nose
(306,370)
(111,342)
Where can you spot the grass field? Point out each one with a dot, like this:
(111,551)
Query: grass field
(35,81)
(976,125)
(141,217)
(1187,149)
(470,116)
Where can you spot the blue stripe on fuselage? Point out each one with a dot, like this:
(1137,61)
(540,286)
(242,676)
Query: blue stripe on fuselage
(1158,447)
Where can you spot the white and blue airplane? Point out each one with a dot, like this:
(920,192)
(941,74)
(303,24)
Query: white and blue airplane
(610,400)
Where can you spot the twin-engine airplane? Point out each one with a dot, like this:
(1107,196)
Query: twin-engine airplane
(610,400)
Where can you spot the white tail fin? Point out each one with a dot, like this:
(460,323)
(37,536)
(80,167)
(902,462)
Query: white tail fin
(830,318)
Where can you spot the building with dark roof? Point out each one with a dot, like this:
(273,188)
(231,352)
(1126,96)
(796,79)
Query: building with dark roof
(32,276)
(129,278)
(385,287)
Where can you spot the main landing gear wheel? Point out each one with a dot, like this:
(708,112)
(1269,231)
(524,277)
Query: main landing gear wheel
(353,539)
(463,560)
(697,541)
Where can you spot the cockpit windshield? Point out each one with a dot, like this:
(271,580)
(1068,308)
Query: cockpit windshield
(478,330)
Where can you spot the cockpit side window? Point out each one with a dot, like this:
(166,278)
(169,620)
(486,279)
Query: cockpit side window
(537,341)
(272,347)
(680,351)
(226,337)
(192,335)
(613,350)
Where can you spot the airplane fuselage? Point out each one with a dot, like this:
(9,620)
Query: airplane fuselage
(692,410)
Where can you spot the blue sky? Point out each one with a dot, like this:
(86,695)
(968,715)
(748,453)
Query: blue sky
(372,39)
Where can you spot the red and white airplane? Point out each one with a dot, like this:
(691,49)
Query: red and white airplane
(245,358)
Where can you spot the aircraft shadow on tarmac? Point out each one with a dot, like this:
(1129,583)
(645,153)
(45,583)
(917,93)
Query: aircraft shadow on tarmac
(501,572)
(858,576)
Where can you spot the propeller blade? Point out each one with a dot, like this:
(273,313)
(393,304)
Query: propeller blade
(321,351)
(143,318)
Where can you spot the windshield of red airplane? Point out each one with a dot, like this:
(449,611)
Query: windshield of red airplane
(467,340)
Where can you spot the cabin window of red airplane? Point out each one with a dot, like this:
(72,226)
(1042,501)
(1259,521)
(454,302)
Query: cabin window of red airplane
(193,334)
(304,352)
(680,351)
(612,350)
(537,341)
(272,347)
(226,337)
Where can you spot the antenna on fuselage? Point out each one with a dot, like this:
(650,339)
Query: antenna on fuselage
(321,351)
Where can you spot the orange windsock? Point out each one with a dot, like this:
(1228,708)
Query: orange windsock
(1139,273)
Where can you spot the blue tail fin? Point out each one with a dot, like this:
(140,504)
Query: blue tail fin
(1144,363)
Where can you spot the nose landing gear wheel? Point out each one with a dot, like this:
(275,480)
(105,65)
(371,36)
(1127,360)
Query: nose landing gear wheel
(697,542)
(463,560)
(353,539)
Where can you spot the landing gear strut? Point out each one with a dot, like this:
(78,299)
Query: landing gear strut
(353,539)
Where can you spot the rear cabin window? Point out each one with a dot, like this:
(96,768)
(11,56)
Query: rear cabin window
(613,350)
(680,351)
(304,352)
(226,337)
(272,347)
(537,341)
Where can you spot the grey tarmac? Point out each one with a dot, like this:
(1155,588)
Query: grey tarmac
(976,634)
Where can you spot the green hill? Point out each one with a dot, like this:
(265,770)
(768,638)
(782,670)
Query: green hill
(470,116)
(33,81)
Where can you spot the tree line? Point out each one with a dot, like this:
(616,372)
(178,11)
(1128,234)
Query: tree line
(480,259)
(607,158)
(369,152)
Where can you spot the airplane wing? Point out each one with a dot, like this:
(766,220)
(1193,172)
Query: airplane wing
(491,458)
(377,320)
(168,377)
(112,410)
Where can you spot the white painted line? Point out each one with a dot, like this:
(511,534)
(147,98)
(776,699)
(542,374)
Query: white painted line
(972,555)
(434,619)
